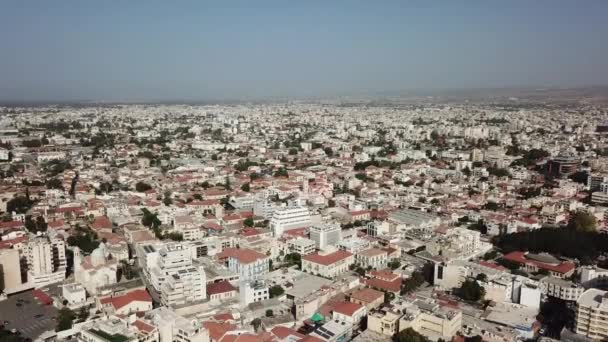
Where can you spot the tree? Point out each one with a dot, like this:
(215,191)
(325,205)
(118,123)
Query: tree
(54,183)
(142,187)
(409,335)
(248,222)
(412,283)
(269,313)
(482,277)
(19,204)
(328,151)
(388,297)
(245,187)
(293,151)
(276,291)
(167,199)
(293,259)
(214,157)
(65,319)
(582,221)
(256,323)
(471,290)
(83,314)
(395,264)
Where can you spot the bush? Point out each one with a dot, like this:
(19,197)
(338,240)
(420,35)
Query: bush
(142,187)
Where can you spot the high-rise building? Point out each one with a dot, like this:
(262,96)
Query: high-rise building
(590,318)
(186,286)
(289,218)
(10,273)
(46,260)
(325,235)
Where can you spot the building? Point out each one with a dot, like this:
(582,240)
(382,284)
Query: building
(560,288)
(187,285)
(430,319)
(221,290)
(564,165)
(173,327)
(349,312)
(413,219)
(375,258)
(384,321)
(327,264)
(370,298)
(122,303)
(285,219)
(593,276)
(302,246)
(253,291)
(533,263)
(46,261)
(75,294)
(325,235)
(10,270)
(96,270)
(247,263)
(590,318)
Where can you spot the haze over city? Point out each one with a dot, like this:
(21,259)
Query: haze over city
(201,50)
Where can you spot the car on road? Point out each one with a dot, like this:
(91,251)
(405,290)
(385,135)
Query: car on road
(39,315)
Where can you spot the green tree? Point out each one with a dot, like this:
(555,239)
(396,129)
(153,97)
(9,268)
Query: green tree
(409,335)
(395,264)
(276,291)
(248,222)
(269,313)
(256,323)
(142,187)
(471,290)
(245,187)
(582,221)
(65,319)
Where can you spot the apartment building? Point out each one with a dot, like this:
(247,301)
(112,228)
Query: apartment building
(591,317)
(325,235)
(285,219)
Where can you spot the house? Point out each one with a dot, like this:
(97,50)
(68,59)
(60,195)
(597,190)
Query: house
(135,301)
(367,297)
(220,290)
(326,264)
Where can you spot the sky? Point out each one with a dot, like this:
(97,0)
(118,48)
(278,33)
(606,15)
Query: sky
(203,50)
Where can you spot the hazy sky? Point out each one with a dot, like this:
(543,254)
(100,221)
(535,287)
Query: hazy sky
(157,50)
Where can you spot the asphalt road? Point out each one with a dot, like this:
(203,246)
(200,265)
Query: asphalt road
(24,313)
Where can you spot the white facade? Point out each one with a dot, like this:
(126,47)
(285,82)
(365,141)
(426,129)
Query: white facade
(46,261)
(75,294)
(185,286)
(325,235)
(252,291)
(289,218)
(301,246)
(590,318)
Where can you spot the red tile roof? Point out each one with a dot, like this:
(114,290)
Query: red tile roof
(327,259)
(101,222)
(243,255)
(120,301)
(392,286)
(143,326)
(219,287)
(217,330)
(367,295)
(520,257)
(347,308)
(283,332)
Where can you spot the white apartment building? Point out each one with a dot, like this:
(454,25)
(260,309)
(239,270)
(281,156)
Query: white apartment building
(560,288)
(247,263)
(186,286)
(593,276)
(284,219)
(591,318)
(46,261)
(173,327)
(428,318)
(325,235)
(10,270)
(302,246)
(253,291)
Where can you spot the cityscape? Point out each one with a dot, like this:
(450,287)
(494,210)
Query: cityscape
(442,214)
